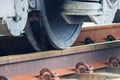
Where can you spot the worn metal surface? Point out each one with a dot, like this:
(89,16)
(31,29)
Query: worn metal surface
(98,33)
(19,65)
(49,28)
(101,74)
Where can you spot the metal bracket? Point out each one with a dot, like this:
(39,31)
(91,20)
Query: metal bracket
(46,74)
(113,62)
(83,68)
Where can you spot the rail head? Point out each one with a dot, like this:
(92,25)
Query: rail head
(56,53)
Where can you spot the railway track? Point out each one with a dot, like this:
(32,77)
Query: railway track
(75,61)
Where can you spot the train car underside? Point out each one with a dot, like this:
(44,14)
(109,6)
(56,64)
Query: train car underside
(51,24)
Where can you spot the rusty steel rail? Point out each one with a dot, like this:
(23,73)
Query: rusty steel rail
(63,62)
(30,64)
(99,33)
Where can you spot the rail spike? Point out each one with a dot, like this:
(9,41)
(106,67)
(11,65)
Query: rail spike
(88,40)
(83,68)
(114,62)
(110,38)
(46,74)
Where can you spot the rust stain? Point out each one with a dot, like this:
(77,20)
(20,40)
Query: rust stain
(98,33)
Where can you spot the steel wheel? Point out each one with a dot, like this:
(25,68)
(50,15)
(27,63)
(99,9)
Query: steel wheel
(47,27)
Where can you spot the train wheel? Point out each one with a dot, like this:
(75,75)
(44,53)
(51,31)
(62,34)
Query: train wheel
(47,27)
